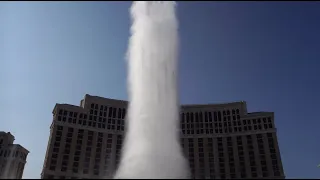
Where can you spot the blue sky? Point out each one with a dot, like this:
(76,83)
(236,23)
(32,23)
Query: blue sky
(266,53)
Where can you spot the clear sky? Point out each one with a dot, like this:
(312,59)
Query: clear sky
(265,53)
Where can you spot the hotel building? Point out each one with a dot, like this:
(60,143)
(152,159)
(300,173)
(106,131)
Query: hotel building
(221,141)
(12,157)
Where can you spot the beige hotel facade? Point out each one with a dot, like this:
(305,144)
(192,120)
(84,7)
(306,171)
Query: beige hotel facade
(221,141)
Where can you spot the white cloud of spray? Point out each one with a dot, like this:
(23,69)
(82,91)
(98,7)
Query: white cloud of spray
(152,147)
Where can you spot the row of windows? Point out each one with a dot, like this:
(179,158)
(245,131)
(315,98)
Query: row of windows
(197,117)
(106,117)
(215,128)
(9,153)
(106,110)
(120,113)
(208,116)
(81,134)
(112,112)
(185,117)
(211,125)
(111,124)
(190,127)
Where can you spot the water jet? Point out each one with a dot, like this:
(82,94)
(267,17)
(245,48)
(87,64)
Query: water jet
(151,147)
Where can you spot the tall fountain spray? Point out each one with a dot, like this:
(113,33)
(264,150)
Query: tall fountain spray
(151,147)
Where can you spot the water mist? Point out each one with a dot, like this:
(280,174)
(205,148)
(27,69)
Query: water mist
(151,147)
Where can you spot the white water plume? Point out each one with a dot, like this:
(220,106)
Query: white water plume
(151,147)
